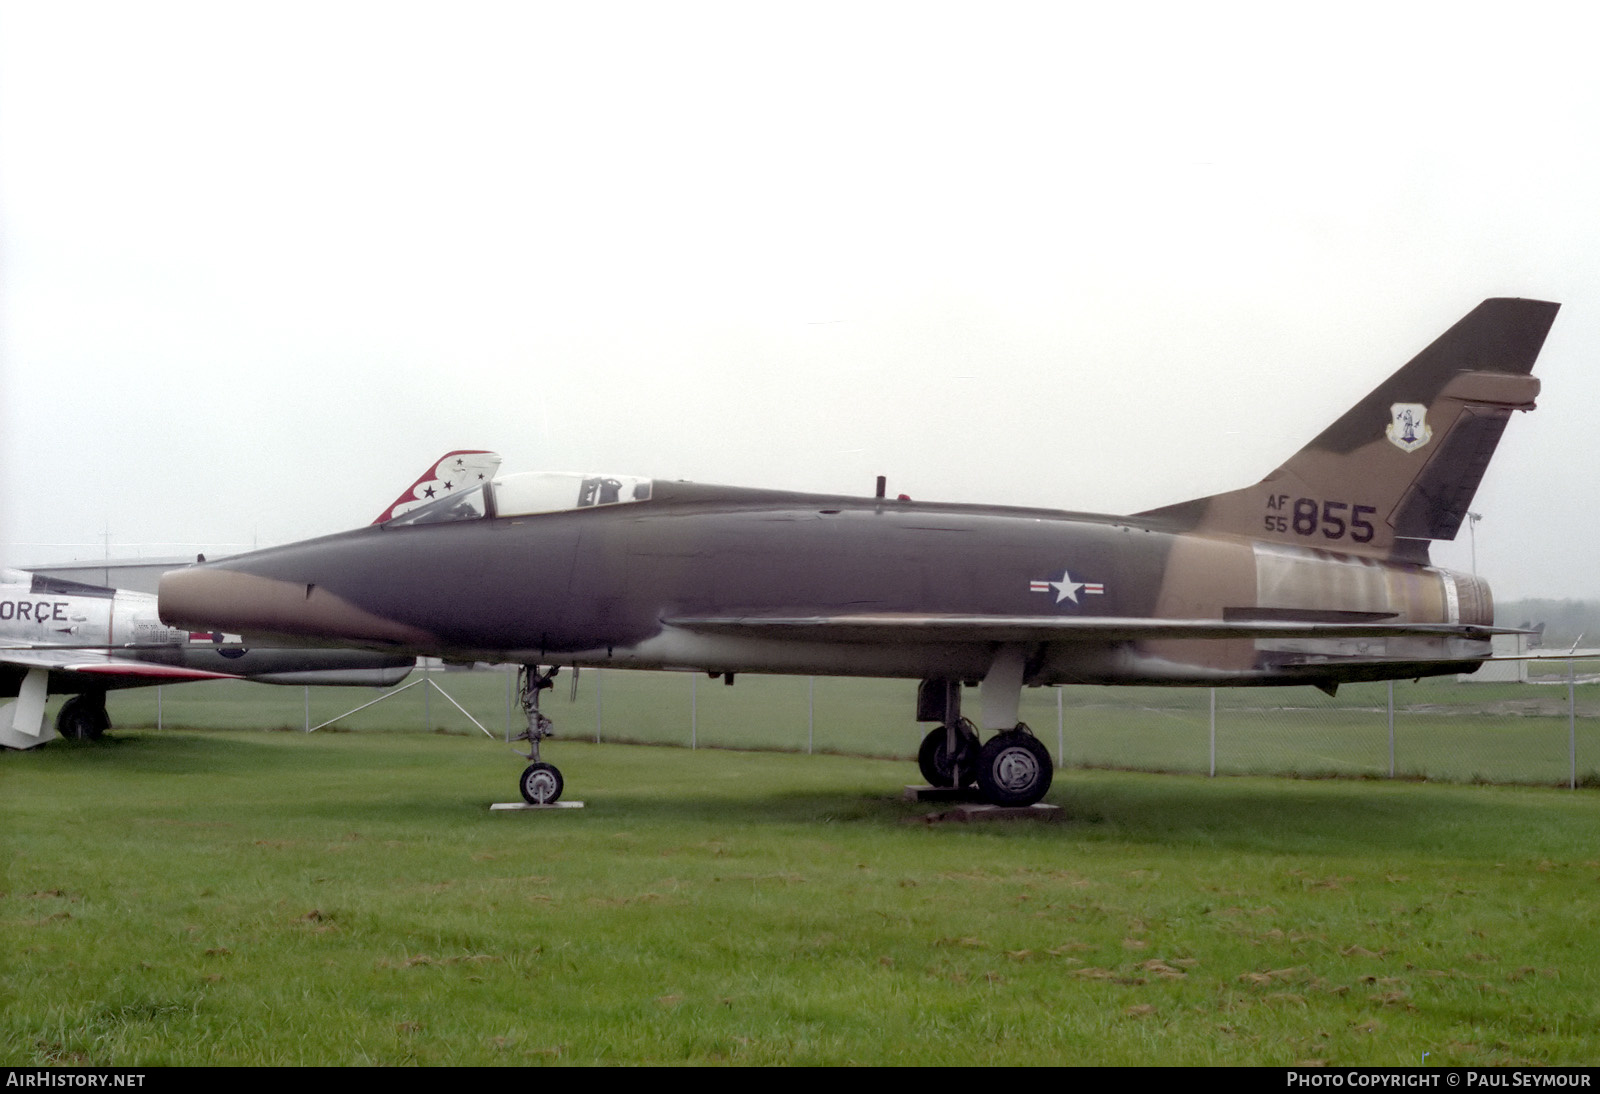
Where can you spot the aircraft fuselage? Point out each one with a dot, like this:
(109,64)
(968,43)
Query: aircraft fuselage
(635,585)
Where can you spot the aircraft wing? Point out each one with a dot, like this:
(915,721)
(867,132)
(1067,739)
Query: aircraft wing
(916,627)
(22,721)
(102,662)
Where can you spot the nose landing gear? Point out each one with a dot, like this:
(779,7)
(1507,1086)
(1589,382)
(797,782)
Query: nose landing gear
(541,783)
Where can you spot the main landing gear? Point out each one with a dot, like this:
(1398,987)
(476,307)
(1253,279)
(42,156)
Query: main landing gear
(541,783)
(949,754)
(1012,769)
(83,717)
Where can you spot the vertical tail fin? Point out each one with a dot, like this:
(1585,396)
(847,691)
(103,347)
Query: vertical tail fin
(1402,465)
(458,470)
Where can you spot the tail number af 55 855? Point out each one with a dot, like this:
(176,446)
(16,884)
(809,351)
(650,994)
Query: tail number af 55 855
(1307,518)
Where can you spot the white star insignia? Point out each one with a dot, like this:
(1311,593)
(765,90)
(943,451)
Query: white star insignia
(1066,588)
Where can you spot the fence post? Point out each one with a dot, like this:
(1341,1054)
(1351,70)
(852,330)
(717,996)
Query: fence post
(1391,729)
(694,710)
(308,708)
(1572,724)
(811,713)
(596,706)
(1213,733)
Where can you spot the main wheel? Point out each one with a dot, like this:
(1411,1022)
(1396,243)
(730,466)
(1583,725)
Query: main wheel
(82,719)
(541,784)
(1014,769)
(934,755)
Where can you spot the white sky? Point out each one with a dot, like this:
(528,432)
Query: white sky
(260,264)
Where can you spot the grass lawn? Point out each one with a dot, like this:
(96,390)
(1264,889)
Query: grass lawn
(347,898)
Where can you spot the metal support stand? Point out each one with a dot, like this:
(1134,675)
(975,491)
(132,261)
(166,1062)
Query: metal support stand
(425,682)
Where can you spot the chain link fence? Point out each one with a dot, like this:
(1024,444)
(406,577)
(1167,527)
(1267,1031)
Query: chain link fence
(1545,731)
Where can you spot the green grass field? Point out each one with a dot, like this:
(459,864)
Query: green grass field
(346,898)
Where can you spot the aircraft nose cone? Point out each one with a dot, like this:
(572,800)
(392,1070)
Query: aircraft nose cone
(232,600)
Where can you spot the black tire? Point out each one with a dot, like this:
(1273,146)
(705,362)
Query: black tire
(1014,769)
(933,757)
(541,784)
(83,718)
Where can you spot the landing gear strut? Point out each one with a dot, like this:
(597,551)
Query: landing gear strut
(541,783)
(83,717)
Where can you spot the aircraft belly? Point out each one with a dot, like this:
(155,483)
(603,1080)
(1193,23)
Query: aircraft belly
(678,649)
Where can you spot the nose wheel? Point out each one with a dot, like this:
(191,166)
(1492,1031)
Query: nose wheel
(541,783)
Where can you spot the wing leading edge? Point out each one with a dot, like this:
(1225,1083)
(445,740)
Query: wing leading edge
(101,663)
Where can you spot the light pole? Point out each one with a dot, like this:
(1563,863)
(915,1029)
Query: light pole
(1472,531)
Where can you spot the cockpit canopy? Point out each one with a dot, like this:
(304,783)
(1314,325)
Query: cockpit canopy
(528,493)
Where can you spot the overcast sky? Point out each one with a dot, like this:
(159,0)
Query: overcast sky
(260,264)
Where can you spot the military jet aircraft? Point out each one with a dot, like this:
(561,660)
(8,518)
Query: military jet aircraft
(1318,574)
(59,636)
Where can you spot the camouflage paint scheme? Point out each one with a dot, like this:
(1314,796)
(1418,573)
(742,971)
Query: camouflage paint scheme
(1317,574)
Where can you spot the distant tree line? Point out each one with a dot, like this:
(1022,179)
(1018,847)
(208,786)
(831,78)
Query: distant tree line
(1565,621)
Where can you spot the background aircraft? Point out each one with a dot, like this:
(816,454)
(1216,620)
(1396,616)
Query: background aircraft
(1316,575)
(60,636)
(38,611)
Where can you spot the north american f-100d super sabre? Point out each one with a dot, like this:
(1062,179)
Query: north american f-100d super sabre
(1318,574)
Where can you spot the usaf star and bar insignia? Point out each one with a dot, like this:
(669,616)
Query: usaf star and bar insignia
(1066,588)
